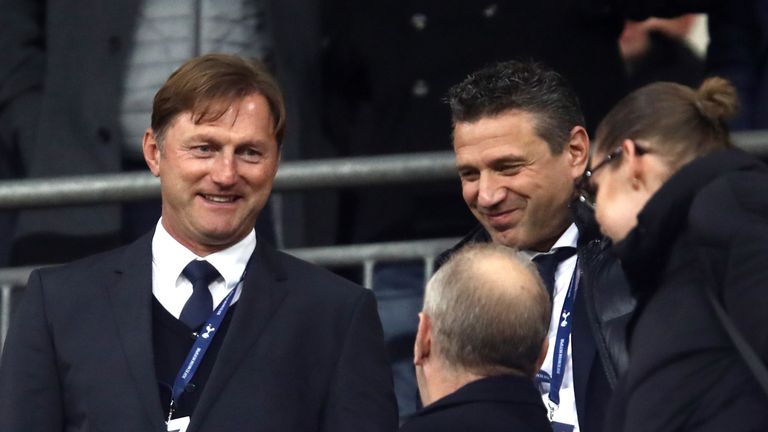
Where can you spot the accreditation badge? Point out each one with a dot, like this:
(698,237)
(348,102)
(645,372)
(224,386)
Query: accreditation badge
(178,425)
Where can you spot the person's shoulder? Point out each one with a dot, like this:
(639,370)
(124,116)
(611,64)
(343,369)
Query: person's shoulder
(748,188)
(735,204)
(486,416)
(69,286)
(93,263)
(311,276)
(448,419)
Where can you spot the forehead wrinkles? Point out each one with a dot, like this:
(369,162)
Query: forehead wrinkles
(244,117)
(514,130)
(501,149)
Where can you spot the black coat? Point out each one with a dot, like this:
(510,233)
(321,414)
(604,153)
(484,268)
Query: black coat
(502,403)
(602,308)
(708,225)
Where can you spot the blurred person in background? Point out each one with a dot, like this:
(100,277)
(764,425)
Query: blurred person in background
(76,84)
(738,51)
(689,216)
(656,49)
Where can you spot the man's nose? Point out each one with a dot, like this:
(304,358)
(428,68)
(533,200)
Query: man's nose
(224,170)
(490,192)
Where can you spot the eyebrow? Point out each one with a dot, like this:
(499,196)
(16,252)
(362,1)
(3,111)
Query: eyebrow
(203,136)
(501,159)
(506,159)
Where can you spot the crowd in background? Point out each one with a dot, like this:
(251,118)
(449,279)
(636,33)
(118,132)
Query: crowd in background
(360,78)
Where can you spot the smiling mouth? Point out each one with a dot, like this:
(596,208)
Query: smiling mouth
(220,199)
(501,219)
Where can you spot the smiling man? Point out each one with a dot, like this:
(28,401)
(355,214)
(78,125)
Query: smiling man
(521,145)
(199,325)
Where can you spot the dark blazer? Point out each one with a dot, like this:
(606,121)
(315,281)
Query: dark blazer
(304,352)
(502,403)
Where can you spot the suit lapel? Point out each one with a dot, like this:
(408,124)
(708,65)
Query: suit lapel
(131,301)
(262,293)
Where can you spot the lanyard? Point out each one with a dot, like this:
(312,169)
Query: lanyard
(562,340)
(201,345)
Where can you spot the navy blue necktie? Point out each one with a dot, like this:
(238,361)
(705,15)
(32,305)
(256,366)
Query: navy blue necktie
(200,304)
(547,265)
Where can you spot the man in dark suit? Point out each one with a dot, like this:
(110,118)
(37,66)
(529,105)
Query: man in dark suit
(199,325)
(521,145)
(482,337)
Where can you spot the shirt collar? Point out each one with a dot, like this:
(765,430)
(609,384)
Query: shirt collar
(569,238)
(171,256)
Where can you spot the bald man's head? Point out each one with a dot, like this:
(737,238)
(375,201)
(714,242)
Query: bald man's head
(489,311)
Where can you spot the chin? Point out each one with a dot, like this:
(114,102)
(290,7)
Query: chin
(613,234)
(221,237)
(505,238)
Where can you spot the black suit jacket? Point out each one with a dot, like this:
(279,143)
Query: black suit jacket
(304,352)
(502,403)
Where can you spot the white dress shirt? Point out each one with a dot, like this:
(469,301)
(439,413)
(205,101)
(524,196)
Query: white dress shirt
(566,411)
(169,257)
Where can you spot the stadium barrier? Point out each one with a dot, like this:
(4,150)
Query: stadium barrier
(292,176)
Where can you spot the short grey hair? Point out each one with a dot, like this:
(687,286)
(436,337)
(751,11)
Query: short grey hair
(488,322)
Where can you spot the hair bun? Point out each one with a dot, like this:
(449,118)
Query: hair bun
(717,99)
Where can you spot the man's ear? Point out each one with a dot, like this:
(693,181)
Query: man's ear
(542,355)
(151,150)
(578,151)
(423,345)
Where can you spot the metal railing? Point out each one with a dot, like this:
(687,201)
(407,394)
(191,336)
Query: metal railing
(327,256)
(292,176)
(6,290)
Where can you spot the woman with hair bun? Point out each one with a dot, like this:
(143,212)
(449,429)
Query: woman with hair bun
(688,215)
